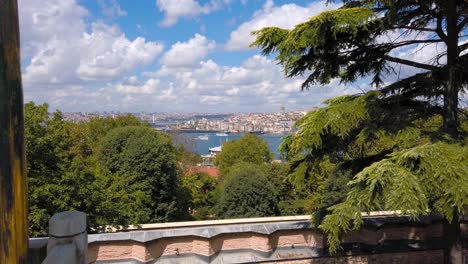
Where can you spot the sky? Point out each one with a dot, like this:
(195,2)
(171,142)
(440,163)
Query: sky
(162,56)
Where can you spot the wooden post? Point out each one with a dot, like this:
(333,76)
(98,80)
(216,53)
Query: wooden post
(13,189)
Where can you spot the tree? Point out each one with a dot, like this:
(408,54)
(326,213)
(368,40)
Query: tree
(203,195)
(86,134)
(347,44)
(292,199)
(47,145)
(67,171)
(247,193)
(141,168)
(250,148)
(185,150)
(429,178)
(354,132)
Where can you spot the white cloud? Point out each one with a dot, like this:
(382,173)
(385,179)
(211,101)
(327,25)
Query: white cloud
(111,8)
(61,50)
(188,54)
(285,16)
(110,53)
(76,64)
(207,87)
(174,10)
(134,87)
(258,84)
(43,21)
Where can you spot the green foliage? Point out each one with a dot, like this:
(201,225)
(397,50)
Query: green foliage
(47,143)
(422,180)
(387,138)
(86,135)
(247,193)
(203,194)
(344,43)
(250,148)
(136,182)
(142,165)
(277,175)
(292,200)
(185,151)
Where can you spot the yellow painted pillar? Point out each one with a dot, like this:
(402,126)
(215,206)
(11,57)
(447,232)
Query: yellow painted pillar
(13,188)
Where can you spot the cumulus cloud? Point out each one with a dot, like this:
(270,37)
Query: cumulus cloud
(111,8)
(77,64)
(61,49)
(133,86)
(174,10)
(42,21)
(256,85)
(188,54)
(110,53)
(285,16)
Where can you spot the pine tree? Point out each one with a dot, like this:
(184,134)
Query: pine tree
(347,44)
(387,133)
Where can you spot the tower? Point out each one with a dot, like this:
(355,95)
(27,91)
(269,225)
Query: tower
(283,109)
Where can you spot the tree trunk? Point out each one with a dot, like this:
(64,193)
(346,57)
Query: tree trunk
(453,253)
(451,90)
(13,191)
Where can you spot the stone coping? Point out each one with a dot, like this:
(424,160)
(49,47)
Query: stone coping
(374,214)
(144,236)
(210,228)
(220,222)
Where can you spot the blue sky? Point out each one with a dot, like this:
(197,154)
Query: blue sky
(161,56)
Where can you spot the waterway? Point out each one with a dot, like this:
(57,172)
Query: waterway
(202,146)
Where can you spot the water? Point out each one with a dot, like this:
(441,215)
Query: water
(202,146)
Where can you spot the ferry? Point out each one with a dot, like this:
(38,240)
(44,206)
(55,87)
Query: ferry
(221,134)
(204,137)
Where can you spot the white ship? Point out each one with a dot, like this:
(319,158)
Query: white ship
(204,137)
(221,134)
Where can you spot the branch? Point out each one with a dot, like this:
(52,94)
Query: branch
(462,24)
(463,47)
(439,30)
(411,63)
(415,28)
(411,42)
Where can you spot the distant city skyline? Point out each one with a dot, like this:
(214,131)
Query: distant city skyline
(165,56)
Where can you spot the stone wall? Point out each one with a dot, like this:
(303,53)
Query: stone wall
(279,240)
(383,239)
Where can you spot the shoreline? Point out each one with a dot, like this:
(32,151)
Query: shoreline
(193,131)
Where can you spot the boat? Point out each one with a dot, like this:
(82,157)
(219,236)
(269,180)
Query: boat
(215,151)
(221,134)
(204,137)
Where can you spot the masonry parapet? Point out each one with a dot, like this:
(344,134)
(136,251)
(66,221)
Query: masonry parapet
(384,238)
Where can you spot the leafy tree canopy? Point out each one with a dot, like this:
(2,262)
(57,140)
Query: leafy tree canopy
(418,181)
(47,143)
(250,148)
(185,151)
(203,194)
(67,172)
(247,193)
(140,163)
(86,134)
(409,113)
